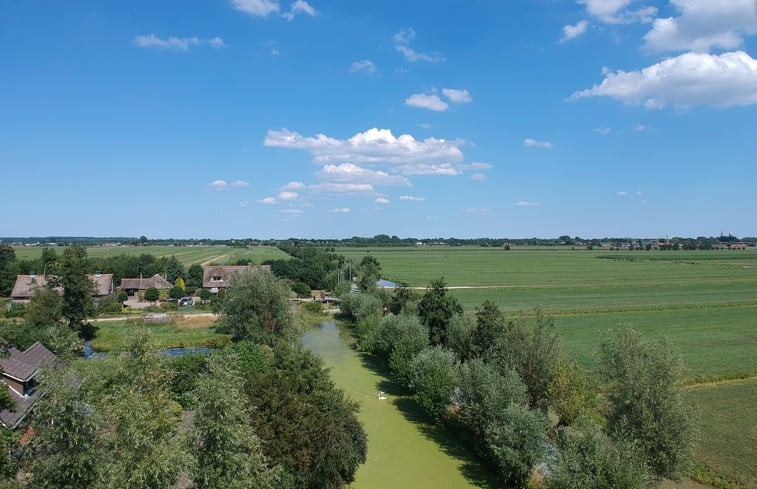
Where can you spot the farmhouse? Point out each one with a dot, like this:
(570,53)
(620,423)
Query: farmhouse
(19,372)
(23,289)
(215,278)
(134,285)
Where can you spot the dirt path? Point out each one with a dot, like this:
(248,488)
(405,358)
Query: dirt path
(126,318)
(208,262)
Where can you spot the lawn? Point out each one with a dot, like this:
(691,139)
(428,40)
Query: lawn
(217,254)
(179,332)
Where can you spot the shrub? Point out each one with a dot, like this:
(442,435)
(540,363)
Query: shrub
(301,289)
(152,294)
(14,309)
(312,307)
(433,377)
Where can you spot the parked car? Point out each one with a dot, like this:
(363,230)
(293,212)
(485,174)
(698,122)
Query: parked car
(186,301)
(171,300)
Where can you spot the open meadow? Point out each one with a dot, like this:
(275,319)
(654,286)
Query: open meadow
(705,302)
(188,255)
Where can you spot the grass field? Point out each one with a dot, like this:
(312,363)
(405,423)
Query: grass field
(186,254)
(179,332)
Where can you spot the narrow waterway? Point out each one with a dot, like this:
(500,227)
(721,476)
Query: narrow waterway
(403,449)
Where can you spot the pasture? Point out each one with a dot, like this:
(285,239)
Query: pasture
(188,255)
(178,332)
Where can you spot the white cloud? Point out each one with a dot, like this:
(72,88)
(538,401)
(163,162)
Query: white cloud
(342,188)
(604,131)
(177,43)
(341,210)
(616,11)
(240,183)
(288,195)
(244,203)
(402,41)
(374,147)
(476,165)
(363,66)
(526,203)
(622,194)
(383,201)
(268,201)
(573,31)
(534,143)
(424,101)
(704,24)
(293,186)
(349,173)
(478,212)
(410,198)
(308,205)
(260,8)
(299,7)
(640,127)
(684,81)
(293,212)
(426,169)
(479,177)
(457,96)
(219,185)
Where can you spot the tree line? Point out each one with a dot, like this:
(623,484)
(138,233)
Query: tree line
(493,381)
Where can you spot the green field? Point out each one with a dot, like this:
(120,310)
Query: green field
(179,332)
(186,254)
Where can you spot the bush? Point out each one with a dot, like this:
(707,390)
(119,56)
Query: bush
(14,309)
(515,443)
(122,297)
(152,294)
(312,307)
(301,289)
(433,377)
(109,305)
(176,293)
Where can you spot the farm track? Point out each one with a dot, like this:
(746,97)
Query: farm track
(590,285)
(211,260)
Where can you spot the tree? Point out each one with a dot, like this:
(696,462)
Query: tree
(180,284)
(174,269)
(515,443)
(152,294)
(48,259)
(403,300)
(369,271)
(194,275)
(66,447)
(490,324)
(257,308)
(44,309)
(7,269)
(647,404)
(77,288)
(435,309)
(228,452)
(433,377)
(176,293)
(205,295)
(122,297)
(571,392)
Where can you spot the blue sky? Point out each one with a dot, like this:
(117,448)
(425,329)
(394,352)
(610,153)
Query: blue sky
(279,118)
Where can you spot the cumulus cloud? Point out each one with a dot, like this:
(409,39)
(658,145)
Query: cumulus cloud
(616,11)
(176,43)
(534,143)
(688,80)
(457,96)
(293,186)
(219,185)
(342,188)
(479,177)
(427,169)
(260,8)
(424,101)
(341,210)
(299,7)
(288,195)
(476,165)
(374,147)
(573,31)
(268,201)
(526,203)
(410,198)
(604,131)
(349,173)
(363,66)
(402,41)
(702,25)
(383,201)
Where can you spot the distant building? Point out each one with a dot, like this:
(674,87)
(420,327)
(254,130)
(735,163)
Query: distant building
(215,278)
(19,373)
(133,286)
(25,285)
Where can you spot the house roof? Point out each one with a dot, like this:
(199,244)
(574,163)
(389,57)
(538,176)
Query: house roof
(219,276)
(145,283)
(26,285)
(103,283)
(22,365)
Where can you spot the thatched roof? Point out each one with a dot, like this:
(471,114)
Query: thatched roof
(103,283)
(145,283)
(25,285)
(218,276)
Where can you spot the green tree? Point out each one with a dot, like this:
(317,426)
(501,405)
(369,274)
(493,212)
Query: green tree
(369,271)
(45,307)
(257,308)
(194,275)
(176,292)
(7,269)
(152,294)
(66,449)
(174,269)
(436,309)
(48,259)
(490,325)
(122,297)
(77,288)
(515,442)
(228,452)
(571,392)
(647,404)
(433,377)
(587,458)
(403,300)
(8,463)
(205,295)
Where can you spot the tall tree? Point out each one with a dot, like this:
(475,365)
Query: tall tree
(647,404)
(77,288)
(368,273)
(194,275)
(174,269)
(490,324)
(48,259)
(7,269)
(45,307)
(436,309)
(257,308)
